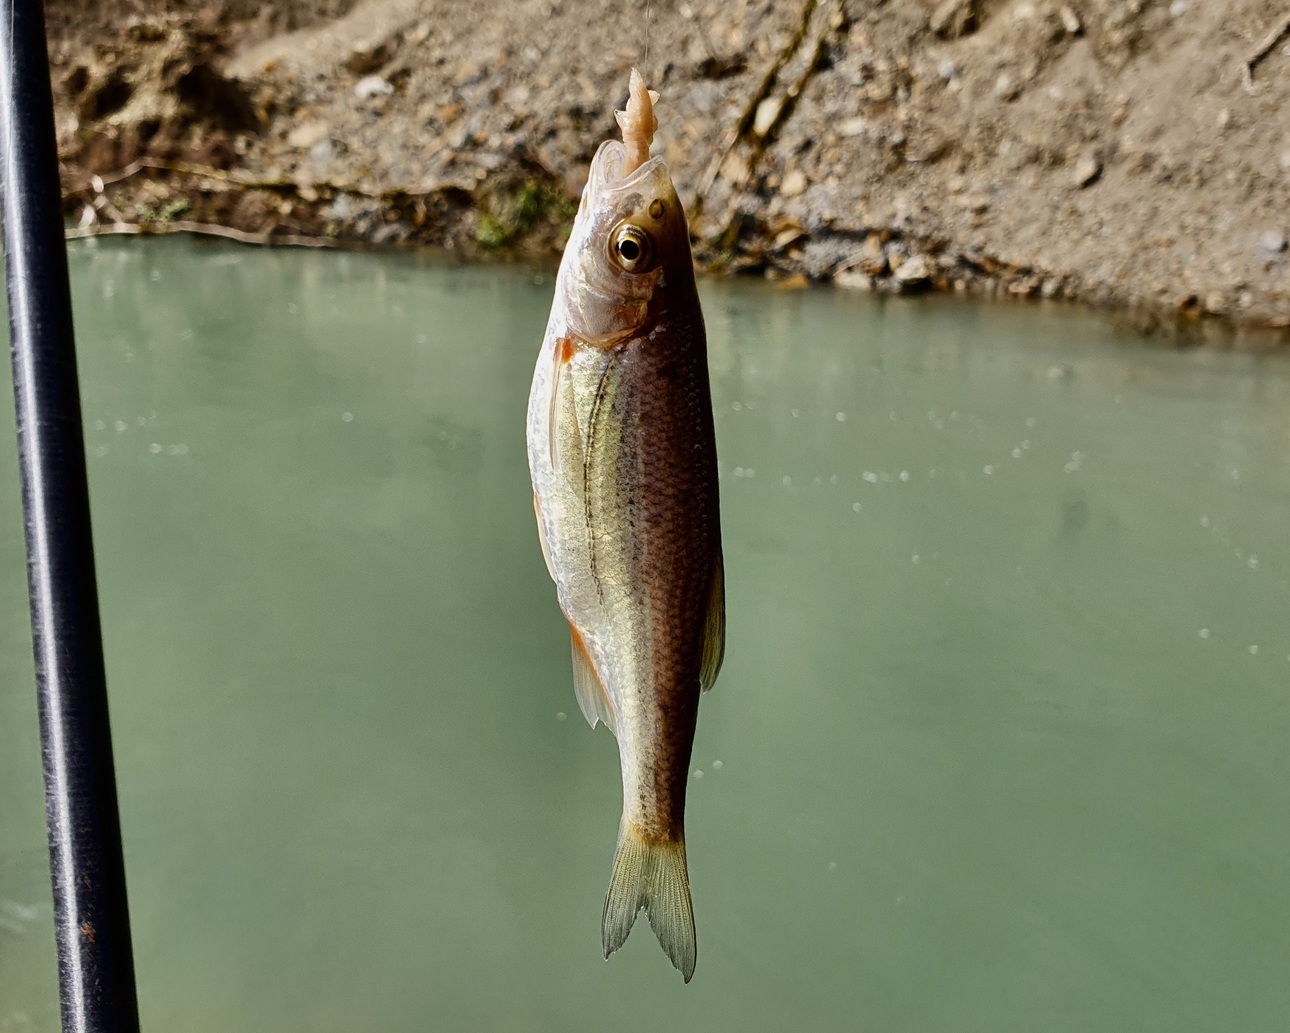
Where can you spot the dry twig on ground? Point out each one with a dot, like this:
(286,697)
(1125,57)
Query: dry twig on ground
(205,229)
(1262,50)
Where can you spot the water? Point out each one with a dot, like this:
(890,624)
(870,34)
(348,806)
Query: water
(1000,743)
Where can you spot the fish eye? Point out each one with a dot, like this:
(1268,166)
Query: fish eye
(631,248)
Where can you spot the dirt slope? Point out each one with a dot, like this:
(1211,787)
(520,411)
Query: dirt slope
(1114,151)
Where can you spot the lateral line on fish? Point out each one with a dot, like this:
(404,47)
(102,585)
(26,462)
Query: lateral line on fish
(596,401)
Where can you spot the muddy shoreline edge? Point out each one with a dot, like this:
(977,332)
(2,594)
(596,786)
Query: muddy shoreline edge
(402,136)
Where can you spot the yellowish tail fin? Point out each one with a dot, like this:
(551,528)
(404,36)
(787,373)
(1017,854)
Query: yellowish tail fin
(653,876)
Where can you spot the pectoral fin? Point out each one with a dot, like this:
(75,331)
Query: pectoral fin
(546,549)
(714,631)
(564,351)
(593,700)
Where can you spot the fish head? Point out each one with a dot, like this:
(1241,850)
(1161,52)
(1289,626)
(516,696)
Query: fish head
(629,243)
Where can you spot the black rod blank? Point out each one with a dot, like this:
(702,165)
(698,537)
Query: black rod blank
(92,924)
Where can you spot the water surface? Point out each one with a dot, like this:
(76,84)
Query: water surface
(1000,743)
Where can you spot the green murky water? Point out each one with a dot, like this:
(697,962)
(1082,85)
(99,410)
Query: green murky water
(1000,743)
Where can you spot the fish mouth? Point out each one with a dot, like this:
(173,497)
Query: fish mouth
(606,172)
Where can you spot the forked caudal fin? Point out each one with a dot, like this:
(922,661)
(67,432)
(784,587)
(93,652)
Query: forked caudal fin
(651,875)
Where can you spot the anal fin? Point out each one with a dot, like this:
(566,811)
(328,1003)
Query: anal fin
(593,700)
(714,628)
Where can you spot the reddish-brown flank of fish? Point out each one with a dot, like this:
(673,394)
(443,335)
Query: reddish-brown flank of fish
(623,459)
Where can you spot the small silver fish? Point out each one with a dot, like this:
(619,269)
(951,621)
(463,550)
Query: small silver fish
(624,466)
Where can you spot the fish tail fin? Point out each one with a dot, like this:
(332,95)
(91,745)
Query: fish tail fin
(651,875)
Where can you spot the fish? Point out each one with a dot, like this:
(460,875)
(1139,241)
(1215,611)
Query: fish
(622,453)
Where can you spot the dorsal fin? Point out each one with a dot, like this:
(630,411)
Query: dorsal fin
(714,628)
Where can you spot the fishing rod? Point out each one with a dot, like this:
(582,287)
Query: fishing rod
(91,915)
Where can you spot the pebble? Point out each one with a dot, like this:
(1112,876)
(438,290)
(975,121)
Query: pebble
(1087,170)
(767,112)
(873,258)
(1070,20)
(788,236)
(913,270)
(372,86)
(305,136)
(1272,243)
(367,56)
(854,279)
(951,18)
(794,183)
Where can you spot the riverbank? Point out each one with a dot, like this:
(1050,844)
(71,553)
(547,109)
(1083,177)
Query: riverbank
(1131,155)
